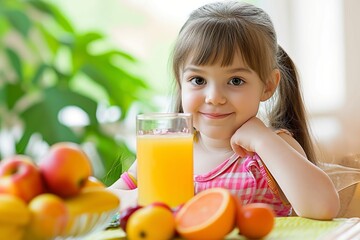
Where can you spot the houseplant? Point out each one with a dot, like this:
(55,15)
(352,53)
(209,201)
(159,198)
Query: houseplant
(46,66)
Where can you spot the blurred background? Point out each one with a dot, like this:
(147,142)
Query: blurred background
(81,70)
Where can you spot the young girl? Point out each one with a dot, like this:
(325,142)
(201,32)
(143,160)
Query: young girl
(226,62)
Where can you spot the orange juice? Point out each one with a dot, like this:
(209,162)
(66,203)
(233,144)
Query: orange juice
(165,168)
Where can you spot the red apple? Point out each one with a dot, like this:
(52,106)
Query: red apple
(65,169)
(19,176)
(49,216)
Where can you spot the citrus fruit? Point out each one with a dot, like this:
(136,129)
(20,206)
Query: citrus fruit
(151,223)
(255,220)
(208,215)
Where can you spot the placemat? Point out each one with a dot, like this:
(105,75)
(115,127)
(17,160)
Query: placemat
(285,228)
(296,228)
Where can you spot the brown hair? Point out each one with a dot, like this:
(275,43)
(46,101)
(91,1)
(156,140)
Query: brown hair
(214,32)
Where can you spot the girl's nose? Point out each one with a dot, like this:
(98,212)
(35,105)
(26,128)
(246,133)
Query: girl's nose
(215,97)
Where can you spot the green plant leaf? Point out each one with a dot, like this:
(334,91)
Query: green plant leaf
(39,73)
(48,126)
(101,69)
(15,61)
(10,93)
(114,155)
(51,40)
(4,25)
(114,81)
(55,99)
(41,118)
(116,53)
(87,38)
(61,97)
(19,21)
(81,45)
(52,10)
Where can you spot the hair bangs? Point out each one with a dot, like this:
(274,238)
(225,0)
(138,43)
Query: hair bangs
(216,38)
(214,43)
(256,52)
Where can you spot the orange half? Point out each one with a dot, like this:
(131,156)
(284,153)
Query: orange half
(208,215)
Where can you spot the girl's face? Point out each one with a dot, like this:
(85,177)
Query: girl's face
(221,99)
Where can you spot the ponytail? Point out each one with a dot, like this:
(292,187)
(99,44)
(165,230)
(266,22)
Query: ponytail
(289,111)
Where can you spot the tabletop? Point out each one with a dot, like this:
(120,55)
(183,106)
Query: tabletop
(285,228)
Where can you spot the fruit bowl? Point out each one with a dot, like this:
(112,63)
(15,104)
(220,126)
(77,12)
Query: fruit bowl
(88,223)
(77,227)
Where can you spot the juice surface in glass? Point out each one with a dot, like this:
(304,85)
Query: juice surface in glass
(165,168)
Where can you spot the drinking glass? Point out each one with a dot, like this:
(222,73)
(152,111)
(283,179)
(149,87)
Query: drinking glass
(164,146)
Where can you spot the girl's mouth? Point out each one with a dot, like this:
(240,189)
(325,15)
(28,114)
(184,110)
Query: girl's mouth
(216,115)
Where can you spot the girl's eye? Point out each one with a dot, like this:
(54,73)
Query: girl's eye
(197,81)
(236,81)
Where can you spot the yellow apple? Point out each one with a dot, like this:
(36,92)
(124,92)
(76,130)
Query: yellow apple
(14,216)
(49,216)
(65,169)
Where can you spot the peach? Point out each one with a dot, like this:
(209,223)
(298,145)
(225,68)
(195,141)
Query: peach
(49,216)
(65,169)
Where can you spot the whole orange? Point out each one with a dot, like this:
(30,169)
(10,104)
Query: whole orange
(255,220)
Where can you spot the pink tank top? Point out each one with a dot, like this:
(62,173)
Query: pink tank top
(248,179)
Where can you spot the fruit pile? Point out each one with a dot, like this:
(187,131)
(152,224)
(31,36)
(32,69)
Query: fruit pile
(211,214)
(44,200)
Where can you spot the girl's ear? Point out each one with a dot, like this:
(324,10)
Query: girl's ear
(271,85)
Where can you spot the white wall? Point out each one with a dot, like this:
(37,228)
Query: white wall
(315,35)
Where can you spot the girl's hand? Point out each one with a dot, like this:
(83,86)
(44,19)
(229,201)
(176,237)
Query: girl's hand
(244,140)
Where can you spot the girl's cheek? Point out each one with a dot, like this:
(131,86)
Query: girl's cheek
(189,102)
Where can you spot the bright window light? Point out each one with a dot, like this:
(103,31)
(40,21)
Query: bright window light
(73,116)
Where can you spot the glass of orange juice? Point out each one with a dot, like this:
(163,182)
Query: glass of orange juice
(164,146)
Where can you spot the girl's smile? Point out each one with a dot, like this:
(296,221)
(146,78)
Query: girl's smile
(215,115)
